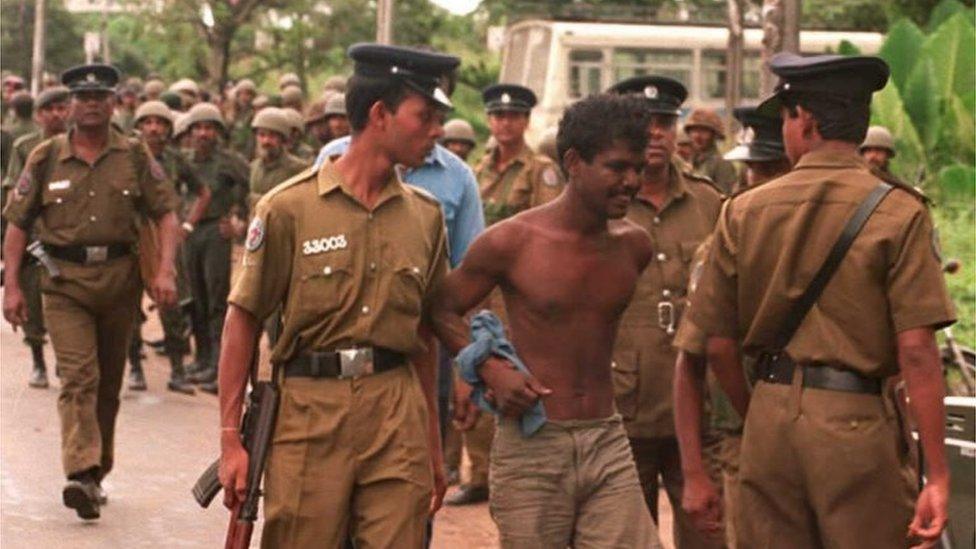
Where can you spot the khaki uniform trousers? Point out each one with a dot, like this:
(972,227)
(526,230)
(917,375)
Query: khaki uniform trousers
(822,469)
(349,456)
(30,283)
(477,442)
(572,483)
(658,459)
(90,317)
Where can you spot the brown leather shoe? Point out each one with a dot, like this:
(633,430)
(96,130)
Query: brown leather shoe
(82,497)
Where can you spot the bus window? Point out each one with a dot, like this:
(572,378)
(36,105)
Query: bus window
(677,64)
(585,72)
(713,74)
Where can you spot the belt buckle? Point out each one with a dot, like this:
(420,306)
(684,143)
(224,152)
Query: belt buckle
(354,363)
(665,316)
(96,254)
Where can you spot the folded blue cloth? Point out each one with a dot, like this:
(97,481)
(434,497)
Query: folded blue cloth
(488,338)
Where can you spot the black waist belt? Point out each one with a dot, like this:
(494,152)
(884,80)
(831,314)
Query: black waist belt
(780,369)
(345,363)
(87,255)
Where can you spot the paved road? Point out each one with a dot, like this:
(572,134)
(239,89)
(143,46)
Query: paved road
(163,441)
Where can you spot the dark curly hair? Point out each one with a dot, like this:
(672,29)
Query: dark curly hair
(595,123)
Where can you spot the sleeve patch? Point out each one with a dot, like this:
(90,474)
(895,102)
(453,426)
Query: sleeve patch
(255,235)
(24,184)
(549,177)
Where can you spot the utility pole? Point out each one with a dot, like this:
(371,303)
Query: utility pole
(733,59)
(384,21)
(37,61)
(781,32)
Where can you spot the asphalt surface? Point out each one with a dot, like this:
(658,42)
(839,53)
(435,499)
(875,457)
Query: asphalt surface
(163,441)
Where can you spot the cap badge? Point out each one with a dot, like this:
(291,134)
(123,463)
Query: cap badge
(650,92)
(394,69)
(442,97)
(90,77)
(506,98)
(786,86)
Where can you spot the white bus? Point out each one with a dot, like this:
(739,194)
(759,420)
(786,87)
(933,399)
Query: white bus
(564,61)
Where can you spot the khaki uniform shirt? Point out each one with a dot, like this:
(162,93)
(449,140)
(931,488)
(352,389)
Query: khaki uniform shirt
(643,366)
(528,181)
(345,275)
(769,242)
(70,202)
(265,175)
(226,173)
(18,157)
(719,170)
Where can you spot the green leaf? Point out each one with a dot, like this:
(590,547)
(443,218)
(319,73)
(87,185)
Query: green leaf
(888,110)
(959,134)
(952,50)
(957,183)
(921,99)
(848,48)
(942,12)
(901,49)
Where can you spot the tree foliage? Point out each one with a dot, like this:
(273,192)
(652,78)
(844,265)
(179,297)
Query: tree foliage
(64,37)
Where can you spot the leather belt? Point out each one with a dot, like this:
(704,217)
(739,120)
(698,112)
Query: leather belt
(780,368)
(88,255)
(345,363)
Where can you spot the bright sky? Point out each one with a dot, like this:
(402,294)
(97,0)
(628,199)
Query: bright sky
(458,7)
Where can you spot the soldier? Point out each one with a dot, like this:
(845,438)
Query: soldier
(11,85)
(289,79)
(335,83)
(207,248)
(459,137)
(704,128)
(188,91)
(52,118)
(125,111)
(241,114)
(562,472)
(511,177)
(20,122)
(154,120)
(822,459)
(273,164)
(353,254)
(710,453)
(153,89)
(678,209)
(335,116)
(878,149)
(86,191)
(295,142)
(292,98)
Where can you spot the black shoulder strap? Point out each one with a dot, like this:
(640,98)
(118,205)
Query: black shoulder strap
(854,225)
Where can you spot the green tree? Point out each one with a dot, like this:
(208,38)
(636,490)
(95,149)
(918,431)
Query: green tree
(64,37)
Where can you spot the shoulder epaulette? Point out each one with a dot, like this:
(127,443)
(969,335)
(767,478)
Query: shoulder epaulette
(899,184)
(27,137)
(299,177)
(422,193)
(703,179)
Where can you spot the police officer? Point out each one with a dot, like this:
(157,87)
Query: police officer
(84,194)
(154,120)
(678,210)
(51,115)
(273,164)
(459,137)
(704,127)
(512,178)
(878,149)
(241,114)
(353,254)
(207,248)
(710,446)
(823,461)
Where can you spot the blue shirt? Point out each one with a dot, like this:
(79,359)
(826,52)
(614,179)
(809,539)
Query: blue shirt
(452,183)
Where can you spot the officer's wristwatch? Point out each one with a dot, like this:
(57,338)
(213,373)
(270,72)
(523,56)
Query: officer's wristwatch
(187,226)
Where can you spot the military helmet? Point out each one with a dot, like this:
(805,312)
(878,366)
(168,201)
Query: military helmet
(154,88)
(335,83)
(205,112)
(293,118)
(245,84)
(459,129)
(335,105)
(180,126)
(288,79)
(547,144)
(185,85)
(705,118)
(154,108)
(291,95)
(878,137)
(272,118)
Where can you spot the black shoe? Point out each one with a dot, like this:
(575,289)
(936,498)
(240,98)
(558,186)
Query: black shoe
(82,497)
(137,381)
(180,385)
(38,379)
(468,495)
(209,387)
(208,375)
(453,476)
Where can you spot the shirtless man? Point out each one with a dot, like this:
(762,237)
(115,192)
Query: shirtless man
(567,271)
